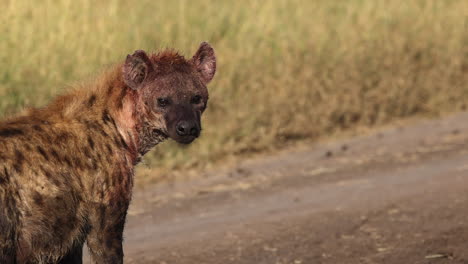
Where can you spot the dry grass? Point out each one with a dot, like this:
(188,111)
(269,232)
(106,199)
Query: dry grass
(288,69)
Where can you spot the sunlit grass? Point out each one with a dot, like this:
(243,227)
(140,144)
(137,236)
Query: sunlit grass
(288,70)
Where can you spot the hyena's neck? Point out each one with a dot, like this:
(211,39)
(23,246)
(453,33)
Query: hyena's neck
(109,101)
(139,134)
(148,138)
(130,113)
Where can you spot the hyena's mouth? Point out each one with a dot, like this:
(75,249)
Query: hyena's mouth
(185,140)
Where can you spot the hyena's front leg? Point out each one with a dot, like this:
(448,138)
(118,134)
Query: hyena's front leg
(8,225)
(105,237)
(7,253)
(7,245)
(74,256)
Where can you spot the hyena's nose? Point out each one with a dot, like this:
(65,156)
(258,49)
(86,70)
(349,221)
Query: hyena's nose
(186,128)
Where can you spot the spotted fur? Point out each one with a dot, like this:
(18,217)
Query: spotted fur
(66,170)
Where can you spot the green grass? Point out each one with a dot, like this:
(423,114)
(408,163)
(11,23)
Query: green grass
(288,70)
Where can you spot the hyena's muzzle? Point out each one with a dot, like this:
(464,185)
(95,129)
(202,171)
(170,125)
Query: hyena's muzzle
(183,123)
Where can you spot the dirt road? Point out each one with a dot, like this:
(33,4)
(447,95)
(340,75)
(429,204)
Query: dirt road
(399,195)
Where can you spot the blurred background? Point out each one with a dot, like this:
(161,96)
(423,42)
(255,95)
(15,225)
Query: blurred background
(289,72)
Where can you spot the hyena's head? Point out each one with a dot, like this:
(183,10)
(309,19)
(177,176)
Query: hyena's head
(171,90)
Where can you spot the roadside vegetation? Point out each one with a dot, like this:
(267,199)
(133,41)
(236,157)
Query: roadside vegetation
(289,70)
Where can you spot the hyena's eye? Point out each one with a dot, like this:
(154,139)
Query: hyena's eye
(196,99)
(163,102)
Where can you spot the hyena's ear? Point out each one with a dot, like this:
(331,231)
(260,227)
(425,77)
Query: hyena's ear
(136,68)
(205,62)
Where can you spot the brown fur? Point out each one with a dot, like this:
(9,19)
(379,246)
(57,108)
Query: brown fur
(66,170)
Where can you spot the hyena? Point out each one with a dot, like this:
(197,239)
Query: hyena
(66,170)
